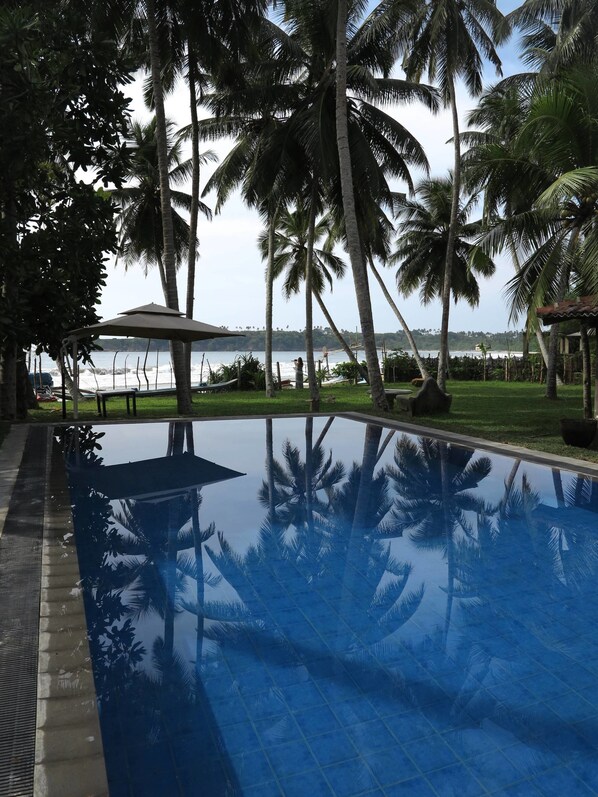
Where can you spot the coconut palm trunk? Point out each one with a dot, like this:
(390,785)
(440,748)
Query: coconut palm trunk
(355,251)
(584,345)
(314,391)
(269,304)
(176,347)
(338,335)
(194,209)
(537,331)
(553,339)
(443,354)
(416,355)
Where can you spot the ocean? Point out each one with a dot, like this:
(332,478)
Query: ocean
(114,370)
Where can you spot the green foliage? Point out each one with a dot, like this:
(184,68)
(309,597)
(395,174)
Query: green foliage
(294,340)
(348,370)
(251,370)
(61,127)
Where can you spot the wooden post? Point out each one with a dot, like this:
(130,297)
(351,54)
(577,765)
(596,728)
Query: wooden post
(279,376)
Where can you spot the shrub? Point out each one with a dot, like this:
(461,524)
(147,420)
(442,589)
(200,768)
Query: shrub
(252,373)
(348,370)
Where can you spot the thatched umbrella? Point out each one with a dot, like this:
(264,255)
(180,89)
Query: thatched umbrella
(148,321)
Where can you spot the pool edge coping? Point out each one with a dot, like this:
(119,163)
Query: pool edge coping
(531,454)
(67,715)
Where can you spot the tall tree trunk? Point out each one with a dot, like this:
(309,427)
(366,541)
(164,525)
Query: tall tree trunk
(416,355)
(544,352)
(8,352)
(270,472)
(183,391)
(269,303)
(8,381)
(443,354)
(312,381)
(448,531)
(337,333)
(360,523)
(358,267)
(553,340)
(194,210)
(586,368)
(162,274)
(537,330)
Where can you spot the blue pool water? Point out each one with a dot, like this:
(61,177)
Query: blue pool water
(320,607)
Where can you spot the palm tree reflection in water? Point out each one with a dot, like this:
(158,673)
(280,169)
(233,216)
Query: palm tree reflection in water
(148,704)
(320,592)
(319,605)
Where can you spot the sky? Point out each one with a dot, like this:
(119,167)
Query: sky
(230,288)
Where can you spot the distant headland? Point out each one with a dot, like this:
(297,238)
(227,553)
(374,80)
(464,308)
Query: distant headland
(292,340)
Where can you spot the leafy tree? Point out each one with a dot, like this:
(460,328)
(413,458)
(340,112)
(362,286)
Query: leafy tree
(64,114)
(556,236)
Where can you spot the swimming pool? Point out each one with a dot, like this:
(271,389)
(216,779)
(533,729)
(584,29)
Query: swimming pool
(320,606)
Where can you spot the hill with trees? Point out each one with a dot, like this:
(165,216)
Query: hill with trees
(294,340)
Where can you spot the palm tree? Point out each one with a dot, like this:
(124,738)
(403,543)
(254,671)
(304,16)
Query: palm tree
(140,220)
(435,484)
(423,239)
(491,165)
(290,256)
(558,33)
(355,251)
(557,235)
(447,40)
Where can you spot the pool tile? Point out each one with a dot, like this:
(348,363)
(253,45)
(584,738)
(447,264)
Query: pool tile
(416,787)
(409,726)
(270,789)
(586,769)
(354,711)
(560,782)
(369,736)
(278,729)
(571,707)
(331,748)
(240,738)
(291,758)
(455,781)
(523,789)
(301,696)
(252,768)
(391,766)
(494,771)
(349,778)
(317,720)
(430,753)
(545,685)
(307,784)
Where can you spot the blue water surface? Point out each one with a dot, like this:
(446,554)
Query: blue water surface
(319,606)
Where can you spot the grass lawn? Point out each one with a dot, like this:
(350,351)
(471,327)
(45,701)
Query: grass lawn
(504,412)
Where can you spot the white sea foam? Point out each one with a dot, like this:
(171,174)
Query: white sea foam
(125,369)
